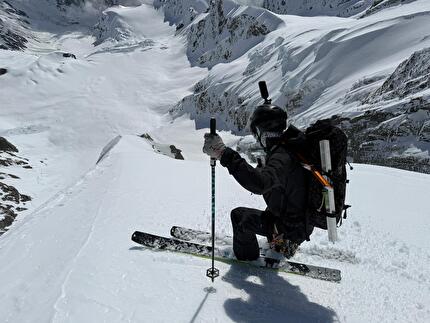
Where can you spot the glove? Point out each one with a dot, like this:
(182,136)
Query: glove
(213,146)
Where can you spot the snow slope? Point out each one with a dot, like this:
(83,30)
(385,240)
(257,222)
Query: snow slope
(72,260)
(62,111)
(69,258)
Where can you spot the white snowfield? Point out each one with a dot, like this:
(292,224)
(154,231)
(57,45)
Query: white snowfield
(69,258)
(73,261)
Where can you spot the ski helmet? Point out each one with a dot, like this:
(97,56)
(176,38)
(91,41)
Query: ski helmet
(268,118)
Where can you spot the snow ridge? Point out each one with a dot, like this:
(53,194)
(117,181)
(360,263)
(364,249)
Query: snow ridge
(340,8)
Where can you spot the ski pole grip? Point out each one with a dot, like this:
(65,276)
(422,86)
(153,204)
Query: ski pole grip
(213,126)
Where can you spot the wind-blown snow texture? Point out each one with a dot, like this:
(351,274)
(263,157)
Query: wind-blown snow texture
(67,103)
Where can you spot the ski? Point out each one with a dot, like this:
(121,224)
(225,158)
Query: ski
(204,237)
(188,234)
(171,244)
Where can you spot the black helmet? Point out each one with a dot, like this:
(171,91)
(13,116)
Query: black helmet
(268,117)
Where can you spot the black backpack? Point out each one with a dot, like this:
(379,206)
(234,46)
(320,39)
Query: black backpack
(308,153)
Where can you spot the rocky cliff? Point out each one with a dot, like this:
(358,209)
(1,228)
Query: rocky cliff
(218,31)
(12,202)
(395,129)
(318,68)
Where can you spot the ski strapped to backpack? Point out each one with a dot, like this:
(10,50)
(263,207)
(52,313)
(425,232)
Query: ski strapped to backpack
(324,154)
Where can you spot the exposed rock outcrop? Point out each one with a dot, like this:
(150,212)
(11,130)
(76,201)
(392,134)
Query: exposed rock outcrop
(398,136)
(5,145)
(164,149)
(223,32)
(11,200)
(411,77)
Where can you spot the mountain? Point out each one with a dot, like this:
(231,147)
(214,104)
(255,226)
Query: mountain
(96,141)
(319,67)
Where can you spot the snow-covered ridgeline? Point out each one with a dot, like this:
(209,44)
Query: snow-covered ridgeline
(340,8)
(320,67)
(181,12)
(111,26)
(218,31)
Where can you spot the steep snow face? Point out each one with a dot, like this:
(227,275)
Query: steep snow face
(224,32)
(340,8)
(320,67)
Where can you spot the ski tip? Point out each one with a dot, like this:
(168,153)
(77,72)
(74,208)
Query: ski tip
(173,229)
(134,236)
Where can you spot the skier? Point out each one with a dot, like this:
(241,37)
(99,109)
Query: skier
(282,182)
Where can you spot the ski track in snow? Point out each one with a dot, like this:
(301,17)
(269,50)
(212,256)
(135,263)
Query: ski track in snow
(63,295)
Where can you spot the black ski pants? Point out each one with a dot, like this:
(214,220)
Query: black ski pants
(247,223)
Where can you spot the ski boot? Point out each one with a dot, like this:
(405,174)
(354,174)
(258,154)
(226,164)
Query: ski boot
(278,248)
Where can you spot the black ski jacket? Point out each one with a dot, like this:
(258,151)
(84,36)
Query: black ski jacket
(283,184)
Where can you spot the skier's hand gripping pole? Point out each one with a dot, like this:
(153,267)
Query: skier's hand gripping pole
(213,272)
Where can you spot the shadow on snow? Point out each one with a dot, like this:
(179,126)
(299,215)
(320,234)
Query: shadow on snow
(271,298)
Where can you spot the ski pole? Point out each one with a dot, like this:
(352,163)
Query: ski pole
(213,272)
